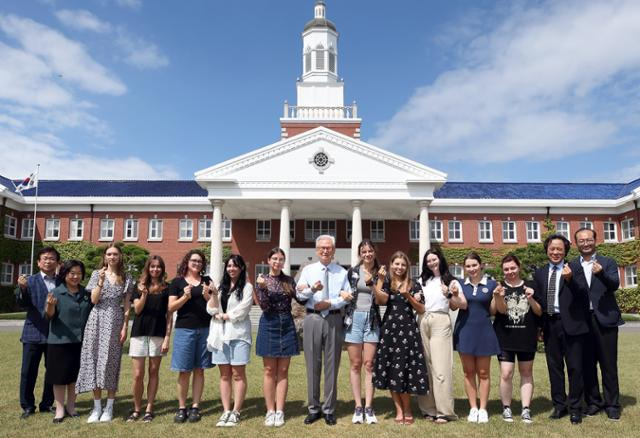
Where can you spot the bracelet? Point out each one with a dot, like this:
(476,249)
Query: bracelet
(100,285)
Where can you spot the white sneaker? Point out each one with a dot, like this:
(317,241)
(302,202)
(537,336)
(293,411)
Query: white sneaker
(279,419)
(233,419)
(526,415)
(94,417)
(507,415)
(483,416)
(473,415)
(269,419)
(107,415)
(358,416)
(222,422)
(370,416)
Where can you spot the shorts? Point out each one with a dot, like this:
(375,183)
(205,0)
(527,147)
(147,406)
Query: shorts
(360,330)
(190,349)
(510,356)
(236,352)
(146,346)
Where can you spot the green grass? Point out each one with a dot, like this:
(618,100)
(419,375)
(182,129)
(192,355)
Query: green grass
(251,424)
(631,317)
(19,316)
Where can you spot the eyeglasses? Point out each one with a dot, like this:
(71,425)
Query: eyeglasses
(582,241)
(196,261)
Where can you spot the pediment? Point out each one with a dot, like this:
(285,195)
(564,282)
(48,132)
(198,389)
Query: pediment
(320,156)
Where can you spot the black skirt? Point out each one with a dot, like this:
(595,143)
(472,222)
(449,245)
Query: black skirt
(63,363)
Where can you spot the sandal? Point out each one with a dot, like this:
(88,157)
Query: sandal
(408,421)
(148,417)
(399,421)
(133,416)
(429,417)
(181,416)
(441,420)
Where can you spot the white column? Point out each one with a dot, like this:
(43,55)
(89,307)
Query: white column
(424,244)
(215,268)
(356,231)
(285,238)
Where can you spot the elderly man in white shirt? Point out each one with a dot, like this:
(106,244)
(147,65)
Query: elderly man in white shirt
(320,285)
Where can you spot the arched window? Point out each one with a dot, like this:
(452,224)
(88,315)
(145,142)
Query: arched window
(319,57)
(307,60)
(332,60)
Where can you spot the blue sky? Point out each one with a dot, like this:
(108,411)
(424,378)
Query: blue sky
(481,90)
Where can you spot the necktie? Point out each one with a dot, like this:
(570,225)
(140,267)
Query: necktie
(551,291)
(325,289)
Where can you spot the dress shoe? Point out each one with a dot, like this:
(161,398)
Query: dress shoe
(613,414)
(27,413)
(58,420)
(592,410)
(50,410)
(312,417)
(558,413)
(575,418)
(330,419)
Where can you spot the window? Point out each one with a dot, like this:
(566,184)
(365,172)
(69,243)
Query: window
(155,229)
(315,228)
(562,228)
(10,226)
(628,232)
(24,269)
(332,61)
(630,276)
(262,269)
(185,229)
(27,228)
(414,271)
(533,231)
(457,271)
(414,230)
(610,234)
(485,233)
(455,231)
(509,231)
(263,230)
(76,229)
(586,224)
(107,228)
(226,229)
(349,230)
(6,274)
(131,229)
(435,231)
(320,57)
(307,61)
(292,230)
(377,230)
(204,229)
(52,229)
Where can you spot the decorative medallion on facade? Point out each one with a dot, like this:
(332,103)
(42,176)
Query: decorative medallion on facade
(321,160)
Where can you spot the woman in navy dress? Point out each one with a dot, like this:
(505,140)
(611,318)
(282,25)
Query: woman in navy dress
(473,335)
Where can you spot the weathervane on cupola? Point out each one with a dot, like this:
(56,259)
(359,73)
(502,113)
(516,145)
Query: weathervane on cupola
(320,91)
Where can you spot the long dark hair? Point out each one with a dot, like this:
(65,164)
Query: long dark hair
(184,264)
(283,278)
(445,275)
(225,284)
(145,277)
(66,267)
(369,243)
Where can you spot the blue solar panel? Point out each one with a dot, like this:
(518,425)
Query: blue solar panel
(102,188)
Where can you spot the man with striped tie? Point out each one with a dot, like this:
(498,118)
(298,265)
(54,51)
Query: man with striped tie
(564,324)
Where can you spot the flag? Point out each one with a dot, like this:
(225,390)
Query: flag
(29,182)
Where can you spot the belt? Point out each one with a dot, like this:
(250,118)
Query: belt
(331,312)
(554,317)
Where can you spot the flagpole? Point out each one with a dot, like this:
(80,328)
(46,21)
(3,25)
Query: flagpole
(35,220)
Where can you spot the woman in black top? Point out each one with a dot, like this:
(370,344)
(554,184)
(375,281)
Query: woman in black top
(188,295)
(150,333)
(516,325)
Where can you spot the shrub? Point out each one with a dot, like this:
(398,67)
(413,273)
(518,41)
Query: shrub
(629,300)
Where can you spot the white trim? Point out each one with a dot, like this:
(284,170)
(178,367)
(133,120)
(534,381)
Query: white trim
(454,240)
(630,229)
(480,231)
(605,231)
(10,274)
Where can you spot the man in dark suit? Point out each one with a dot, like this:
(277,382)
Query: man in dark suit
(31,294)
(564,325)
(601,277)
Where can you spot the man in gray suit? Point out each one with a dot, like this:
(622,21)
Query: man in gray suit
(320,284)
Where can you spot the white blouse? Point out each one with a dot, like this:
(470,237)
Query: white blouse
(239,324)
(434,300)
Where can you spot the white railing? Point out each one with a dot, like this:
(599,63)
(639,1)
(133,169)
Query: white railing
(320,112)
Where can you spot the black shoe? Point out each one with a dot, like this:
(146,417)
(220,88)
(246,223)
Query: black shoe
(181,416)
(558,413)
(194,415)
(71,414)
(312,417)
(58,420)
(330,419)
(613,414)
(592,410)
(50,409)
(575,418)
(27,413)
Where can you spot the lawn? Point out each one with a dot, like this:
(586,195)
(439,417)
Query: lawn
(252,415)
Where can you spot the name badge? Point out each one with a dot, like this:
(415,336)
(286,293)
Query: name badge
(485,290)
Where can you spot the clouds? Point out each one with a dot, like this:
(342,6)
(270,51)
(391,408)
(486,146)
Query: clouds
(544,82)
(82,20)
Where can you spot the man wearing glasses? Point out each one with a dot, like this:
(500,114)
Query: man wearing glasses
(320,285)
(602,280)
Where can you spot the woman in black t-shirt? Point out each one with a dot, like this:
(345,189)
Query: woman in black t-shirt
(188,295)
(516,326)
(150,333)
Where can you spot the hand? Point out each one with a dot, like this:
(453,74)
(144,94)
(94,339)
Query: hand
(165,346)
(261,281)
(51,300)
(499,290)
(418,296)
(123,335)
(22,282)
(218,316)
(102,273)
(322,305)
(445,289)
(187,291)
(596,268)
(382,273)
(206,292)
(454,289)
(213,289)
(528,292)
(566,272)
(317,286)
(345,295)
(143,290)
(302,287)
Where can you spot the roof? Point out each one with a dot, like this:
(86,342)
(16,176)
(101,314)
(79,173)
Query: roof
(7,183)
(115,188)
(320,22)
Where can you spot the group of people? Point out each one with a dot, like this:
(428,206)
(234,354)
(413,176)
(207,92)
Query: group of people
(80,332)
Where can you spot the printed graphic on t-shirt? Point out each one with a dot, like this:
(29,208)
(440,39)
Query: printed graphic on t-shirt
(517,308)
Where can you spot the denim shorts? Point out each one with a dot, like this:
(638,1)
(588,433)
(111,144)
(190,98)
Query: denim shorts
(360,330)
(190,349)
(236,352)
